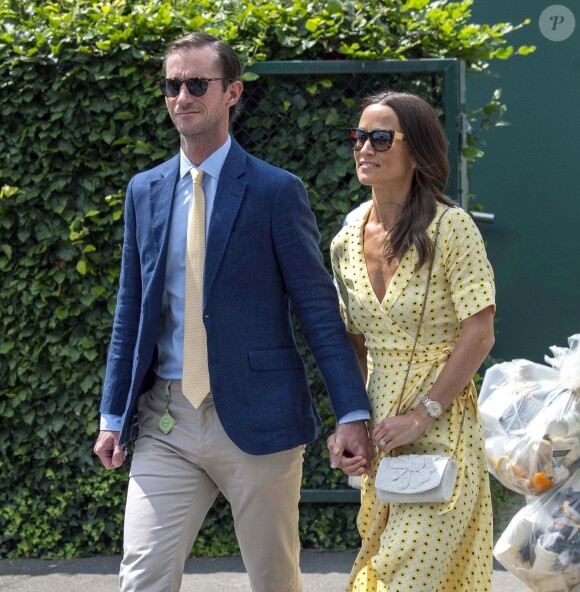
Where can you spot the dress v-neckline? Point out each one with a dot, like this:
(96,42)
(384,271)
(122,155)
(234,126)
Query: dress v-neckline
(364,260)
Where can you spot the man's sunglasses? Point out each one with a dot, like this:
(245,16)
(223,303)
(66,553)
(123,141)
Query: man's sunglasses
(196,86)
(381,139)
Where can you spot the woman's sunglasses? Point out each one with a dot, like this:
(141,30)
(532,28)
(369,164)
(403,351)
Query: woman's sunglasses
(196,86)
(381,139)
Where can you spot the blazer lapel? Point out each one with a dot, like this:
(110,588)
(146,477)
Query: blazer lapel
(229,195)
(161,194)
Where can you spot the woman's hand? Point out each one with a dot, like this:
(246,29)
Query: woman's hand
(399,430)
(353,466)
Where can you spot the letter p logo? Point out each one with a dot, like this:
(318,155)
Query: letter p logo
(557,22)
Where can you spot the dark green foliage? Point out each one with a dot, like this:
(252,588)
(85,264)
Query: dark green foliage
(80,114)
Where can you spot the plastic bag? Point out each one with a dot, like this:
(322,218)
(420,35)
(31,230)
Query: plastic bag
(541,545)
(531,419)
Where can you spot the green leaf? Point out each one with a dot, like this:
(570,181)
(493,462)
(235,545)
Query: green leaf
(249,76)
(6,347)
(313,24)
(504,53)
(82,267)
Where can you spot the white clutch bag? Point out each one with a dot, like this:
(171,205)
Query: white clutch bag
(416,478)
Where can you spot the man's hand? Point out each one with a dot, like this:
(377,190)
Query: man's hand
(350,448)
(107,448)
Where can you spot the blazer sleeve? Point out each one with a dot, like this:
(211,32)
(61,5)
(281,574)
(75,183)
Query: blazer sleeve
(121,353)
(313,297)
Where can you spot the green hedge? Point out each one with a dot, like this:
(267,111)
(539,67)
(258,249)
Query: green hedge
(79,115)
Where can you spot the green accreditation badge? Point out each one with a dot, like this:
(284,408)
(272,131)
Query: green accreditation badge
(166,422)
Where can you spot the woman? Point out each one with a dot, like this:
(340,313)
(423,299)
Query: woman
(381,264)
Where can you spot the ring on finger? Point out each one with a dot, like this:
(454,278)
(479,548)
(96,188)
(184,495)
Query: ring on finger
(382,443)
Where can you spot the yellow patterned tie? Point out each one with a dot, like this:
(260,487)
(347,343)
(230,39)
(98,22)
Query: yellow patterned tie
(195,381)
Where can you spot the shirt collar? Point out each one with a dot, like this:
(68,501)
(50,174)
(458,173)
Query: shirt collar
(211,166)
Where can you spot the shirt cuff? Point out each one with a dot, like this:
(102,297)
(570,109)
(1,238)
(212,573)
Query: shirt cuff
(360,414)
(111,423)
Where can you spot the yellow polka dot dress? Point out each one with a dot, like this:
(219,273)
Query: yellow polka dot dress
(440,547)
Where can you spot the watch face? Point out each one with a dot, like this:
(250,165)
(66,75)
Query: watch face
(434,409)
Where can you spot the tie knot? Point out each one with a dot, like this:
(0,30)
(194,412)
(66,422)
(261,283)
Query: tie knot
(197,175)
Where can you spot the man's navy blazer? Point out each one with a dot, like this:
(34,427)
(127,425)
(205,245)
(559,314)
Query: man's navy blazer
(262,257)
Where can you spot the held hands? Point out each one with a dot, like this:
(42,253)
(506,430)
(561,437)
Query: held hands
(398,430)
(354,459)
(109,451)
(350,448)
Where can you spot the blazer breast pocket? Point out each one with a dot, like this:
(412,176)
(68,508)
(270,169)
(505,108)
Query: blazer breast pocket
(278,358)
(245,243)
(248,231)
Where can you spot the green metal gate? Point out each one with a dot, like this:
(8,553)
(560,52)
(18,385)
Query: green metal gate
(440,81)
(295,116)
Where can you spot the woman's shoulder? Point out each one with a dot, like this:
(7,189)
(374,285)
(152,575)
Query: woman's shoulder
(459,233)
(345,236)
(341,238)
(454,218)
(352,223)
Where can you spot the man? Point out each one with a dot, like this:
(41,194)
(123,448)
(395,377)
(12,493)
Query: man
(223,404)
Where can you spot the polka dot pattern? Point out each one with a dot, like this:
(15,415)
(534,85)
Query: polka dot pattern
(443,547)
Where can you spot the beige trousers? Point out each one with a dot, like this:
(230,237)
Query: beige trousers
(174,481)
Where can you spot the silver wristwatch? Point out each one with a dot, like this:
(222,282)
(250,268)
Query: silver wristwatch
(434,408)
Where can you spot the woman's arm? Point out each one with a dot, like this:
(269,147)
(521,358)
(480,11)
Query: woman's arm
(475,341)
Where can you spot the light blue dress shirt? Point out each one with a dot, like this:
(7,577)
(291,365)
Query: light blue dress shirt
(171,323)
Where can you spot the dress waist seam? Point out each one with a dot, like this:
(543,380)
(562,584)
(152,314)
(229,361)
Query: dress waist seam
(395,361)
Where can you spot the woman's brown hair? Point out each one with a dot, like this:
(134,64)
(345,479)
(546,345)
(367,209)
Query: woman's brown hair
(427,145)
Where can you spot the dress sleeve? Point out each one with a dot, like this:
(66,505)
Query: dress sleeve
(337,249)
(468,269)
